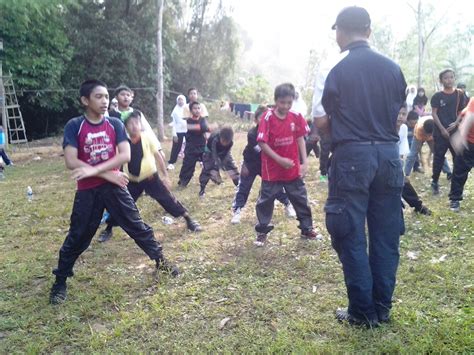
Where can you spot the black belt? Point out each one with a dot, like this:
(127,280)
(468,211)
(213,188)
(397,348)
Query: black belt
(367,142)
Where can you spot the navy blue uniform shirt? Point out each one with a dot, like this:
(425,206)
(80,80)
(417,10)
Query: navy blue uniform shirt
(362,96)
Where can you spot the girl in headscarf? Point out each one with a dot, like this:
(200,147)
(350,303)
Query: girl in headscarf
(179,130)
(411,94)
(420,102)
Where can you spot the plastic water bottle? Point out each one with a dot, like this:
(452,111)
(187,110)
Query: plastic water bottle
(29,193)
(167,220)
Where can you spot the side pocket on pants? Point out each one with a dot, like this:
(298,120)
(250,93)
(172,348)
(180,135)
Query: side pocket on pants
(395,178)
(338,221)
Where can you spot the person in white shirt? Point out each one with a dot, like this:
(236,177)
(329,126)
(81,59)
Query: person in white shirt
(179,130)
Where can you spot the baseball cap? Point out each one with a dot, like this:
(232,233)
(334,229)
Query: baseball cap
(352,18)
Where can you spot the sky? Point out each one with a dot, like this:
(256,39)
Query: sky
(283,32)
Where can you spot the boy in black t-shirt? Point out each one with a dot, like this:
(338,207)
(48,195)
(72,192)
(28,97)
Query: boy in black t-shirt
(446,105)
(95,147)
(195,143)
(217,156)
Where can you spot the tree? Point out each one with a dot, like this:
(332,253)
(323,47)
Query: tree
(159,71)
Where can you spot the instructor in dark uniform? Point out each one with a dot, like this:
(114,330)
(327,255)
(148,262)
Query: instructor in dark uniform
(362,95)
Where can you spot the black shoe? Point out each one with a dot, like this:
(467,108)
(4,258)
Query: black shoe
(384,318)
(435,188)
(423,210)
(193,226)
(105,235)
(418,170)
(260,240)
(343,315)
(454,206)
(202,193)
(164,265)
(58,293)
(449,176)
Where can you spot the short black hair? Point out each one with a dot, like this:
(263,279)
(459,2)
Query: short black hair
(260,110)
(428,126)
(192,104)
(226,133)
(447,70)
(191,89)
(412,116)
(421,89)
(284,90)
(404,105)
(133,114)
(122,88)
(89,85)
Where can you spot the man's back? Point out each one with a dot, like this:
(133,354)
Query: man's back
(363,94)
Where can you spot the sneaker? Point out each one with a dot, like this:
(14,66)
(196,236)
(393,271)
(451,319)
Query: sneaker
(311,234)
(193,226)
(323,178)
(58,293)
(343,315)
(170,167)
(260,240)
(236,216)
(449,176)
(163,264)
(434,188)
(105,235)
(423,210)
(202,193)
(419,170)
(290,210)
(454,206)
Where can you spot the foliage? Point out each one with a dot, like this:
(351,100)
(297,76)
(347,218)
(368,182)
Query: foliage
(36,47)
(55,45)
(254,90)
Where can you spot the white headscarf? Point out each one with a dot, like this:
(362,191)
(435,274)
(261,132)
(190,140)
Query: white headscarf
(410,96)
(179,125)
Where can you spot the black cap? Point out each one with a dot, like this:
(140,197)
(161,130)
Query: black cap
(353,18)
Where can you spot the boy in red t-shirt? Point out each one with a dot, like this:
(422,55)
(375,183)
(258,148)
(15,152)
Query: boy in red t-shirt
(281,136)
(95,147)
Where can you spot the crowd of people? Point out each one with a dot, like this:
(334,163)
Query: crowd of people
(365,121)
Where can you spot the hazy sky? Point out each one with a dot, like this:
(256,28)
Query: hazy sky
(286,30)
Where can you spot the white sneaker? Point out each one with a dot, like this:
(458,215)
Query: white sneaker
(170,167)
(290,211)
(236,216)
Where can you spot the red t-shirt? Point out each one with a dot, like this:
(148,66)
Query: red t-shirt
(95,143)
(281,136)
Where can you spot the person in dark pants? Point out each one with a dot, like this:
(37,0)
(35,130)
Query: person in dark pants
(463,143)
(408,193)
(143,175)
(179,130)
(94,148)
(217,156)
(281,138)
(446,106)
(251,168)
(195,143)
(361,97)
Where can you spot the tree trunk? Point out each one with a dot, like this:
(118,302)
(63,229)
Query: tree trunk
(159,72)
(421,44)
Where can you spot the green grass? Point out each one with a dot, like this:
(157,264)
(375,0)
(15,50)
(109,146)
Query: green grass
(279,299)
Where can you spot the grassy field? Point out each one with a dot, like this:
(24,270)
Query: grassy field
(231,296)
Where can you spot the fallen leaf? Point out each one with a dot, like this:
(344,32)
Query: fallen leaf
(223,323)
(412,255)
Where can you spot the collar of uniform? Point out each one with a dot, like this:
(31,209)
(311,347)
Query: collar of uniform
(356,44)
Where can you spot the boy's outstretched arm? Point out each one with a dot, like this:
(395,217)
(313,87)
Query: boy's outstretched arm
(285,163)
(82,170)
